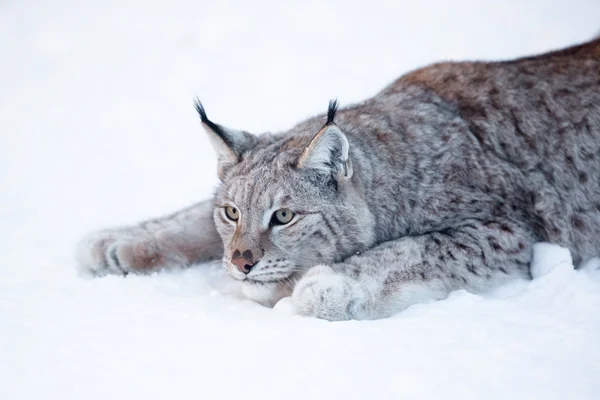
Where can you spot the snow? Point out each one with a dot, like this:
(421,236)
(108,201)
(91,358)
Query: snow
(547,256)
(97,128)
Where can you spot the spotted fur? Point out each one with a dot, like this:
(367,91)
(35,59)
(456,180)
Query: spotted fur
(442,181)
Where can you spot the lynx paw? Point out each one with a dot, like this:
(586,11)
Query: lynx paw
(324,294)
(117,252)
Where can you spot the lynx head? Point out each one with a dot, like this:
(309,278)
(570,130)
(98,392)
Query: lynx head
(285,204)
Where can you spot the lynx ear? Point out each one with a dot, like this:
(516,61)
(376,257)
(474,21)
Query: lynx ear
(328,151)
(228,143)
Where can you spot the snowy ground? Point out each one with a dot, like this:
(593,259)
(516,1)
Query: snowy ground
(97,128)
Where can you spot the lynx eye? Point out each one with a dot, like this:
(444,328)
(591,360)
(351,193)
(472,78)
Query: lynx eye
(282,217)
(232,213)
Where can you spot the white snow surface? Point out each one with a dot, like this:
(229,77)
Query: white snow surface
(97,129)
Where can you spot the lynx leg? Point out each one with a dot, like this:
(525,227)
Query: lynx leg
(394,275)
(174,241)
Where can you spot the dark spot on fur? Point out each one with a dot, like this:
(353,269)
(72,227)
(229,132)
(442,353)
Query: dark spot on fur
(458,200)
(383,137)
(393,277)
(319,234)
(530,142)
(583,178)
(494,243)
(472,112)
(529,85)
(577,222)
(506,228)
(586,154)
(503,270)
(497,211)
(549,175)
(471,268)
(569,160)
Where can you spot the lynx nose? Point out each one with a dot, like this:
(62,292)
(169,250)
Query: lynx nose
(243,261)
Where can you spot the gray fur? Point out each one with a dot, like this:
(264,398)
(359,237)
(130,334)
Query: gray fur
(442,181)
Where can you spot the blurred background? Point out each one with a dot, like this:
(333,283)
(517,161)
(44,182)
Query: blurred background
(97,126)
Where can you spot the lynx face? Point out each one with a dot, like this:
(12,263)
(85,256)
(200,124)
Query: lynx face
(273,229)
(284,206)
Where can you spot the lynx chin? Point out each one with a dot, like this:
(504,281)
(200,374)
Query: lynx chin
(442,181)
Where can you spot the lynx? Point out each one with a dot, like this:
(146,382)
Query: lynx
(442,181)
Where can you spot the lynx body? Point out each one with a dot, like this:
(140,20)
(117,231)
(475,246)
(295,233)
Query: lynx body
(442,181)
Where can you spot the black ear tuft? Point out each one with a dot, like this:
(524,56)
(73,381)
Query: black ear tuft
(200,109)
(217,129)
(333,106)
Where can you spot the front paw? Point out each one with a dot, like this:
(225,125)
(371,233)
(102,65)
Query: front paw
(117,252)
(324,294)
